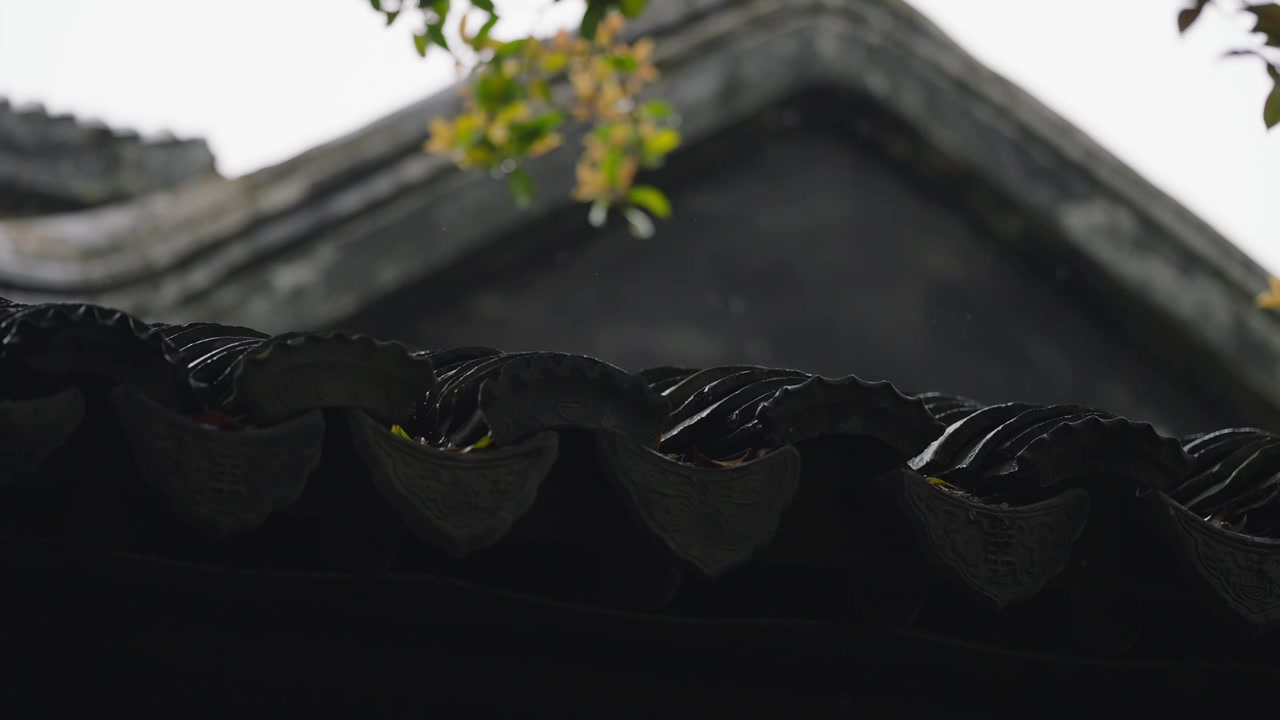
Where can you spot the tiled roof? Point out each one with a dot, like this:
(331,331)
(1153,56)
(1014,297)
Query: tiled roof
(277,248)
(714,492)
(56,163)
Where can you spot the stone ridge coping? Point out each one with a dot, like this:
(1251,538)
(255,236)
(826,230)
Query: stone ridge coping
(192,252)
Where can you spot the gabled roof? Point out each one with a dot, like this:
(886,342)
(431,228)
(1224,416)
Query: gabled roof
(270,248)
(59,163)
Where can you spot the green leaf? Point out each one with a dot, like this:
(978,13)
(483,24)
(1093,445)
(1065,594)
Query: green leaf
(640,224)
(611,166)
(662,142)
(522,187)
(548,121)
(435,31)
(632,8)
(482,35)
(1268,22)
(485,5)
(420,41)
(377,4)
(1187,17)
(658,110)
(525,134)
(391,16)
(1271,108)
(624,64)
(510,49)
(599,213)
(652,199)
(494,92)
(592,17)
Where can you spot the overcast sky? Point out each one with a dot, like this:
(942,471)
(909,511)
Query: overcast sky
(263,80)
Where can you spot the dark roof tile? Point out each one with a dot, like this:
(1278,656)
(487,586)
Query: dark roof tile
(341,453)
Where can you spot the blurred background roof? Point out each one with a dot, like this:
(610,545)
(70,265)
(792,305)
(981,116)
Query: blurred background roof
(263,82)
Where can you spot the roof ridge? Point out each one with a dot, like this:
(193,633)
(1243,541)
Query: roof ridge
(1133,234)
(88,127)
(59,162)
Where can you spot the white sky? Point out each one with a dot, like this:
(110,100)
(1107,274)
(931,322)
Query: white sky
(263,80)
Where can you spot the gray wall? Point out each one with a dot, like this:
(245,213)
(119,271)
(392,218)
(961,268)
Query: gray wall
(808,251)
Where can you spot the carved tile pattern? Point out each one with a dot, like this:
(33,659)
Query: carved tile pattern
(714,519)
(223,482)
(457,502)
(999,555)
(1244,572)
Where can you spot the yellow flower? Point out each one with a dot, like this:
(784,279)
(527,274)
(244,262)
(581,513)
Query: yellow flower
(555,62)
(591,183)
(514,111)
(584,85)
(467,125)
(609,28)
(500,129)
(1270,299)
(563,41)
(442,139)
(619,136)
(545,145)
(642,76)
(600,69)
(626,175)
(499,133)
(476,155)
(609,101)
(642,50)
(595,150)
(594,153)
